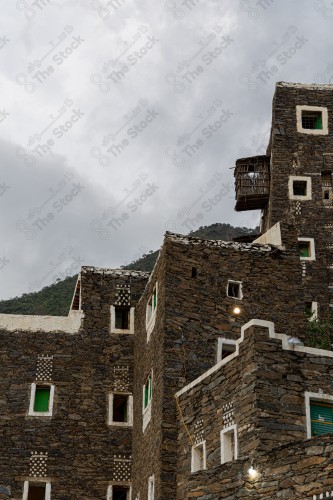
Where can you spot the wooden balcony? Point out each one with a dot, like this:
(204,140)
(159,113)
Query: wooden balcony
(252,178)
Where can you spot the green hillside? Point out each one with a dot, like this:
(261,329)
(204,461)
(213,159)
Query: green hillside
(55,300)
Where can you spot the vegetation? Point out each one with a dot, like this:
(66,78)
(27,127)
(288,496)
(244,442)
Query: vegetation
(319,333)
(55,300)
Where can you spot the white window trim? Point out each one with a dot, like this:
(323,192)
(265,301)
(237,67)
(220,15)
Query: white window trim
(316,397)
(32,400)
(314,311)
(240,283)
(146,412)
(113,321)
(312,248)
(308,181)
(35,483)
(229,430)
(151,322)
(109,495)
(220,343)
(203,444)
(129,422)
(151,481)
(300,129)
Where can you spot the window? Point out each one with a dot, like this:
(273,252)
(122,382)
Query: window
(41,400)
(151,488)
(151,312)
(234,289)
(194,272)
(327,186)
(225,348)
(306,248)
(300,188)
(119,492)
(198,460)
(312,120)
(147,397)
(229,444)
(120,409)
(122,319)
(311,310)
(319,413)
(33,490)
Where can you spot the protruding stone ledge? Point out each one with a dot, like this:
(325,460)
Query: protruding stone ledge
(44,324)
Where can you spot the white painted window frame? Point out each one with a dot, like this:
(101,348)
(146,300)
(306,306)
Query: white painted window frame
(324,113)
(48,413)
(129,422)
(130,330)
(240,283)
(35,482)
(221,341)
(308,181)
(150,323)
(226,443)
(146,412)
(151,487)
(312,249)
(314,311)
(315,397)
(109,495)
(194,452)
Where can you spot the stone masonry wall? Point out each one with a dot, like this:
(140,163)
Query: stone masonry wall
(84,453)
(264,389)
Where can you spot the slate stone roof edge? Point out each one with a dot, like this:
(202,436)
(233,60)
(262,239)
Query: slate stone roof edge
(115,272)
(314,86)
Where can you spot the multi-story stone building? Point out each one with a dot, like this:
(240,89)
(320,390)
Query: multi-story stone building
(194,381)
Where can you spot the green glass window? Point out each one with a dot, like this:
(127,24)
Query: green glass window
(321,418)
(304,249)
(148,391)
(42,398)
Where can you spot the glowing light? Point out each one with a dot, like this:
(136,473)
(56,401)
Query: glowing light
(237,310)
(252,472)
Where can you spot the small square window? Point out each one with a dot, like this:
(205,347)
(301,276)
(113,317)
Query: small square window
(306,248)
(36,491)
(119,492)
(120,409)
(122,318)
(299,188)
(234,289)
(198,460)
(225,348)
(41,400)
(326,195)
(312,120)
(229,444)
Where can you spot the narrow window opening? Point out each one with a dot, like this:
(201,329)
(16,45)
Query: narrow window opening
(120,492)
(42,399)
(312,120)
(229,448)
(308,309)
(120,408)
(148,392)
(234,290)
(227,349)
(194,272)
(299,188)
(122,318)
(36,492)
(326,195)
(198,457)
(326,177)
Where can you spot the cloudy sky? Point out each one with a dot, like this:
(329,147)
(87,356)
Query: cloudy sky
(122,119)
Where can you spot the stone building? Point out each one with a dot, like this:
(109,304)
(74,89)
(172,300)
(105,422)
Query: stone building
(194,381)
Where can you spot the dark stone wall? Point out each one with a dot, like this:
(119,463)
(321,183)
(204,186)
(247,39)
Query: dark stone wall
(81,446)
(265,388)
(298,154)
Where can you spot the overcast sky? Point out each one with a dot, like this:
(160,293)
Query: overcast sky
(121,119)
